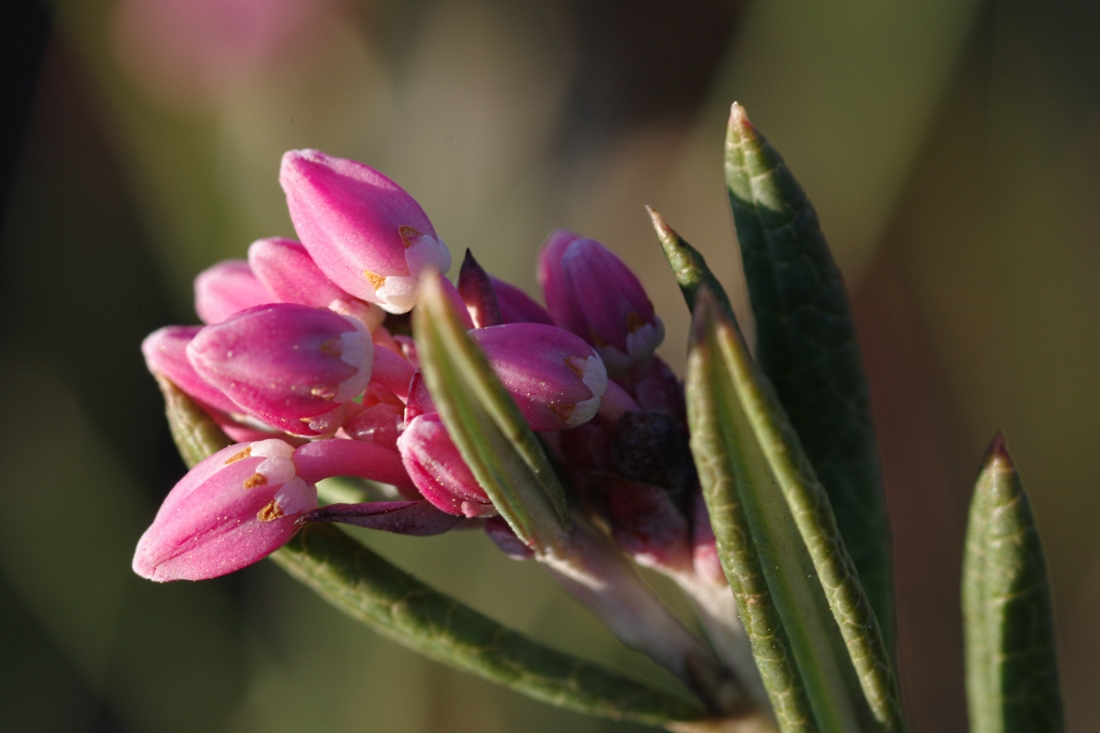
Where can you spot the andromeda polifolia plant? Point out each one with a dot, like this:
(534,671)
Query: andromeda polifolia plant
(312,398)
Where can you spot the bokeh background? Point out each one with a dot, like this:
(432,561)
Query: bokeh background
(952,148)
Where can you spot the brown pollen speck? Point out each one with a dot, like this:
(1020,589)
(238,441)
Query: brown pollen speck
(576,363)
(563,411)
(239,456)
(376,281)
(256,479)
(408,235)
(270,512)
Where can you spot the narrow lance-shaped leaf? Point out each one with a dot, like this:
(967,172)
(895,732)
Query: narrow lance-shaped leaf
(404,609)
(806,344)
(484,422)
(809,506)
(395,604)
(1011,659)
(794,638)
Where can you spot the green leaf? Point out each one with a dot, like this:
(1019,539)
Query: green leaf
(368,588)
(1011,659)
(812,513)
(806,344)
(489,430)
(782,607)
(195,434)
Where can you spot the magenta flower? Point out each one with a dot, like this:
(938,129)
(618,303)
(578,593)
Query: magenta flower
(321,459)
(291,276)
(556,379)
(165,352)
(517,306)
(436,467)
(392,371)
(231,510)
(382,418)
(227,288)
(364,231)
(291,366)
(592,293)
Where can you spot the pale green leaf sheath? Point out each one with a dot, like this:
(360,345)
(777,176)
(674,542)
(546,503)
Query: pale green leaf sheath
(402,608)
(806,344)
(1011,660)
(720,461)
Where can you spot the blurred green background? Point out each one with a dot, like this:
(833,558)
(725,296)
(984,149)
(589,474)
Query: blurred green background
(952,150)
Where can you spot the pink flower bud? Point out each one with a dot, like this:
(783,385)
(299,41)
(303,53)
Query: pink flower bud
(382,418)
(227,288)
(321,459)
(551,276)
(290,275)
(476,289)
(517,306)
(556,379)
(291,366)
(646,523)
(436,467)
(420,399)
(165,353)
(392,371)
(592,293)
(657,389)
(369,313)
(231,510)
(364,231)
(408,349)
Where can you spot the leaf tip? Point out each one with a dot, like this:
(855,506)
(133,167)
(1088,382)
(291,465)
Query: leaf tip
(665,234)
(739,124)
(997,455)
(659,222)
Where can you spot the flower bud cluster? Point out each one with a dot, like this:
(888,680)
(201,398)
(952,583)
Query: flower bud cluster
(295,362)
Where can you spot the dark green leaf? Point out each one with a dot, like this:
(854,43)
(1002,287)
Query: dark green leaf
(1011,659)
(806,344)
(395,604)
